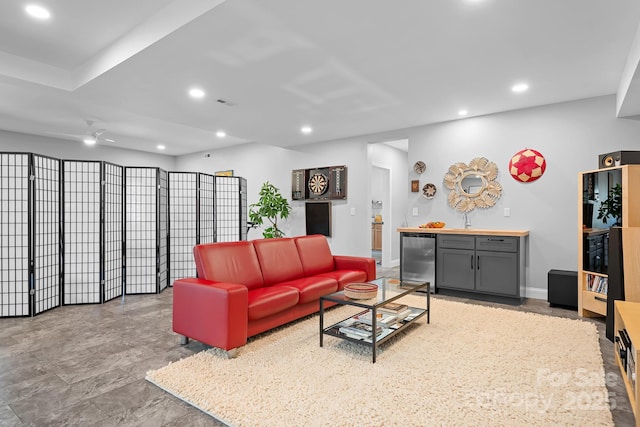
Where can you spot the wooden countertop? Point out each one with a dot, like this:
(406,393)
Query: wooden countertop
(468,231)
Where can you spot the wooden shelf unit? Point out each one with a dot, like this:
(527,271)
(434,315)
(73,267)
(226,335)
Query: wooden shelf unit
(627,316)
(591,304)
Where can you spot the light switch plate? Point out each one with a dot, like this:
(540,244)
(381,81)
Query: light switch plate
(353,211)
(507,211)
(415,211)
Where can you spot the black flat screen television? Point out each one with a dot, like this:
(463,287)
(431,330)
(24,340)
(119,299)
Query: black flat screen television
(318,218)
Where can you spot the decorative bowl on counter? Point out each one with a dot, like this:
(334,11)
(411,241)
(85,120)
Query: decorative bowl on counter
(433,224)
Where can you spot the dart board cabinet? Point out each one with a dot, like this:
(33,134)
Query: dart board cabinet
(320,183)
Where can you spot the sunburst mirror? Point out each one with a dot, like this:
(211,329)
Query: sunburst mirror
(474,185)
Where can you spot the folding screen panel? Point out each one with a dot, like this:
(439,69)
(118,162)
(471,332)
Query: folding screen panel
(77,232)
(163,229)
(191,219)
(145,227)
(230,208)
(45,236)
(183,218)
(112,230)
(93,231)
(14,234)
(206,212)
(82,236)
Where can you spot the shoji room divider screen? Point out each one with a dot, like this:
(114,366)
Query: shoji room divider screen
(146,225)
(15,219)
(30,239)
(85,232)
(45,232)
(230,209)
(93,231)
(112,230)
(202,209)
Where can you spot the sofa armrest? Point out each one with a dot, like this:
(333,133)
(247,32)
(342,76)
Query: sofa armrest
(368,265)
(214,313)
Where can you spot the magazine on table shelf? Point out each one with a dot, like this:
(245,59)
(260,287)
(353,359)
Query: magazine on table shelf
(382,318)
(360,329)
(393,307)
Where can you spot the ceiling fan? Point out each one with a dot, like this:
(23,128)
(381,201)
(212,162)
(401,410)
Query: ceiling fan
(91,137)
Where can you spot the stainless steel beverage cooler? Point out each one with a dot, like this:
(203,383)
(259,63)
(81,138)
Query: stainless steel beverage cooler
(418,258)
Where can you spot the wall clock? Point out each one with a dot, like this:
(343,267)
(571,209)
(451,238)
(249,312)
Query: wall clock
(318,184)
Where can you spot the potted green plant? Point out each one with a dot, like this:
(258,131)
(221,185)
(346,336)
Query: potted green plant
(612,206)
(270,206)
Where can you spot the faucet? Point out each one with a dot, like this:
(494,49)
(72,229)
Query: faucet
(467,221)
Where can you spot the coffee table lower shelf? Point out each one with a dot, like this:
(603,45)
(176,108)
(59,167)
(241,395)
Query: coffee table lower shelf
(387,332)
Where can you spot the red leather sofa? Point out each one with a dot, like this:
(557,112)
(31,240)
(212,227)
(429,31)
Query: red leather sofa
(248,287)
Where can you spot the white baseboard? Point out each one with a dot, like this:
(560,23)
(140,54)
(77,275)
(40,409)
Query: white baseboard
(536,293)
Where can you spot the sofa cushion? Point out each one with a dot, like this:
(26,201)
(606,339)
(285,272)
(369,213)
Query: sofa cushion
(345,276)
(312,288)
(315,254)
(232,262)
(266,301)
(278,259)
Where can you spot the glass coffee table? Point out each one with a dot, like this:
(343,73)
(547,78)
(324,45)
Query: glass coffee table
(384,315)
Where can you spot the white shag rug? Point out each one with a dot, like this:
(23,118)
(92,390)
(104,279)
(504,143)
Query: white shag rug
(471,366)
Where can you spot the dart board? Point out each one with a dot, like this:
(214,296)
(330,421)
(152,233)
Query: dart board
(318,184)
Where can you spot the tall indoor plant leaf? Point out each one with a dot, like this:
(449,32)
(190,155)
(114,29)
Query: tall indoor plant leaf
(612,206)
(270,206)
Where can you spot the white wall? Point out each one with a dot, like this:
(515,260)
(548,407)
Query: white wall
(259,163)
(70,150)
(570,136)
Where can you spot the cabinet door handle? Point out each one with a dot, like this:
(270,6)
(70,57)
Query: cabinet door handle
(472,262)
(495,240)
(478,262)
(600,299)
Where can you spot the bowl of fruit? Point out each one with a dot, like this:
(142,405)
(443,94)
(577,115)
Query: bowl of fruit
(432,224)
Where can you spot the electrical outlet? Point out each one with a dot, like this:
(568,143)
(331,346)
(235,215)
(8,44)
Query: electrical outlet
(415,211)
(507,211)
(353,211)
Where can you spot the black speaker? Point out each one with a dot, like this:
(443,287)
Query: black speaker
(562,288)
(618,158)
(615,276)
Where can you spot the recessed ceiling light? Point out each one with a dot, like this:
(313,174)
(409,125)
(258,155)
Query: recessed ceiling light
(462,112)
(160,147)
(195,92)
(37,12)
(520,87)
(306,130)
(221,134)
(90,139)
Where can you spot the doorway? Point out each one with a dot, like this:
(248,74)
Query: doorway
(380,203)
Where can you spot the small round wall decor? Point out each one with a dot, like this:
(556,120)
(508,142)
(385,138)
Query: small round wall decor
(527,165)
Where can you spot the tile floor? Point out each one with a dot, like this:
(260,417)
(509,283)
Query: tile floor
(85,365)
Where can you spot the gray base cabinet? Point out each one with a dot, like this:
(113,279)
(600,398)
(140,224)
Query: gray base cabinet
(481,264)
